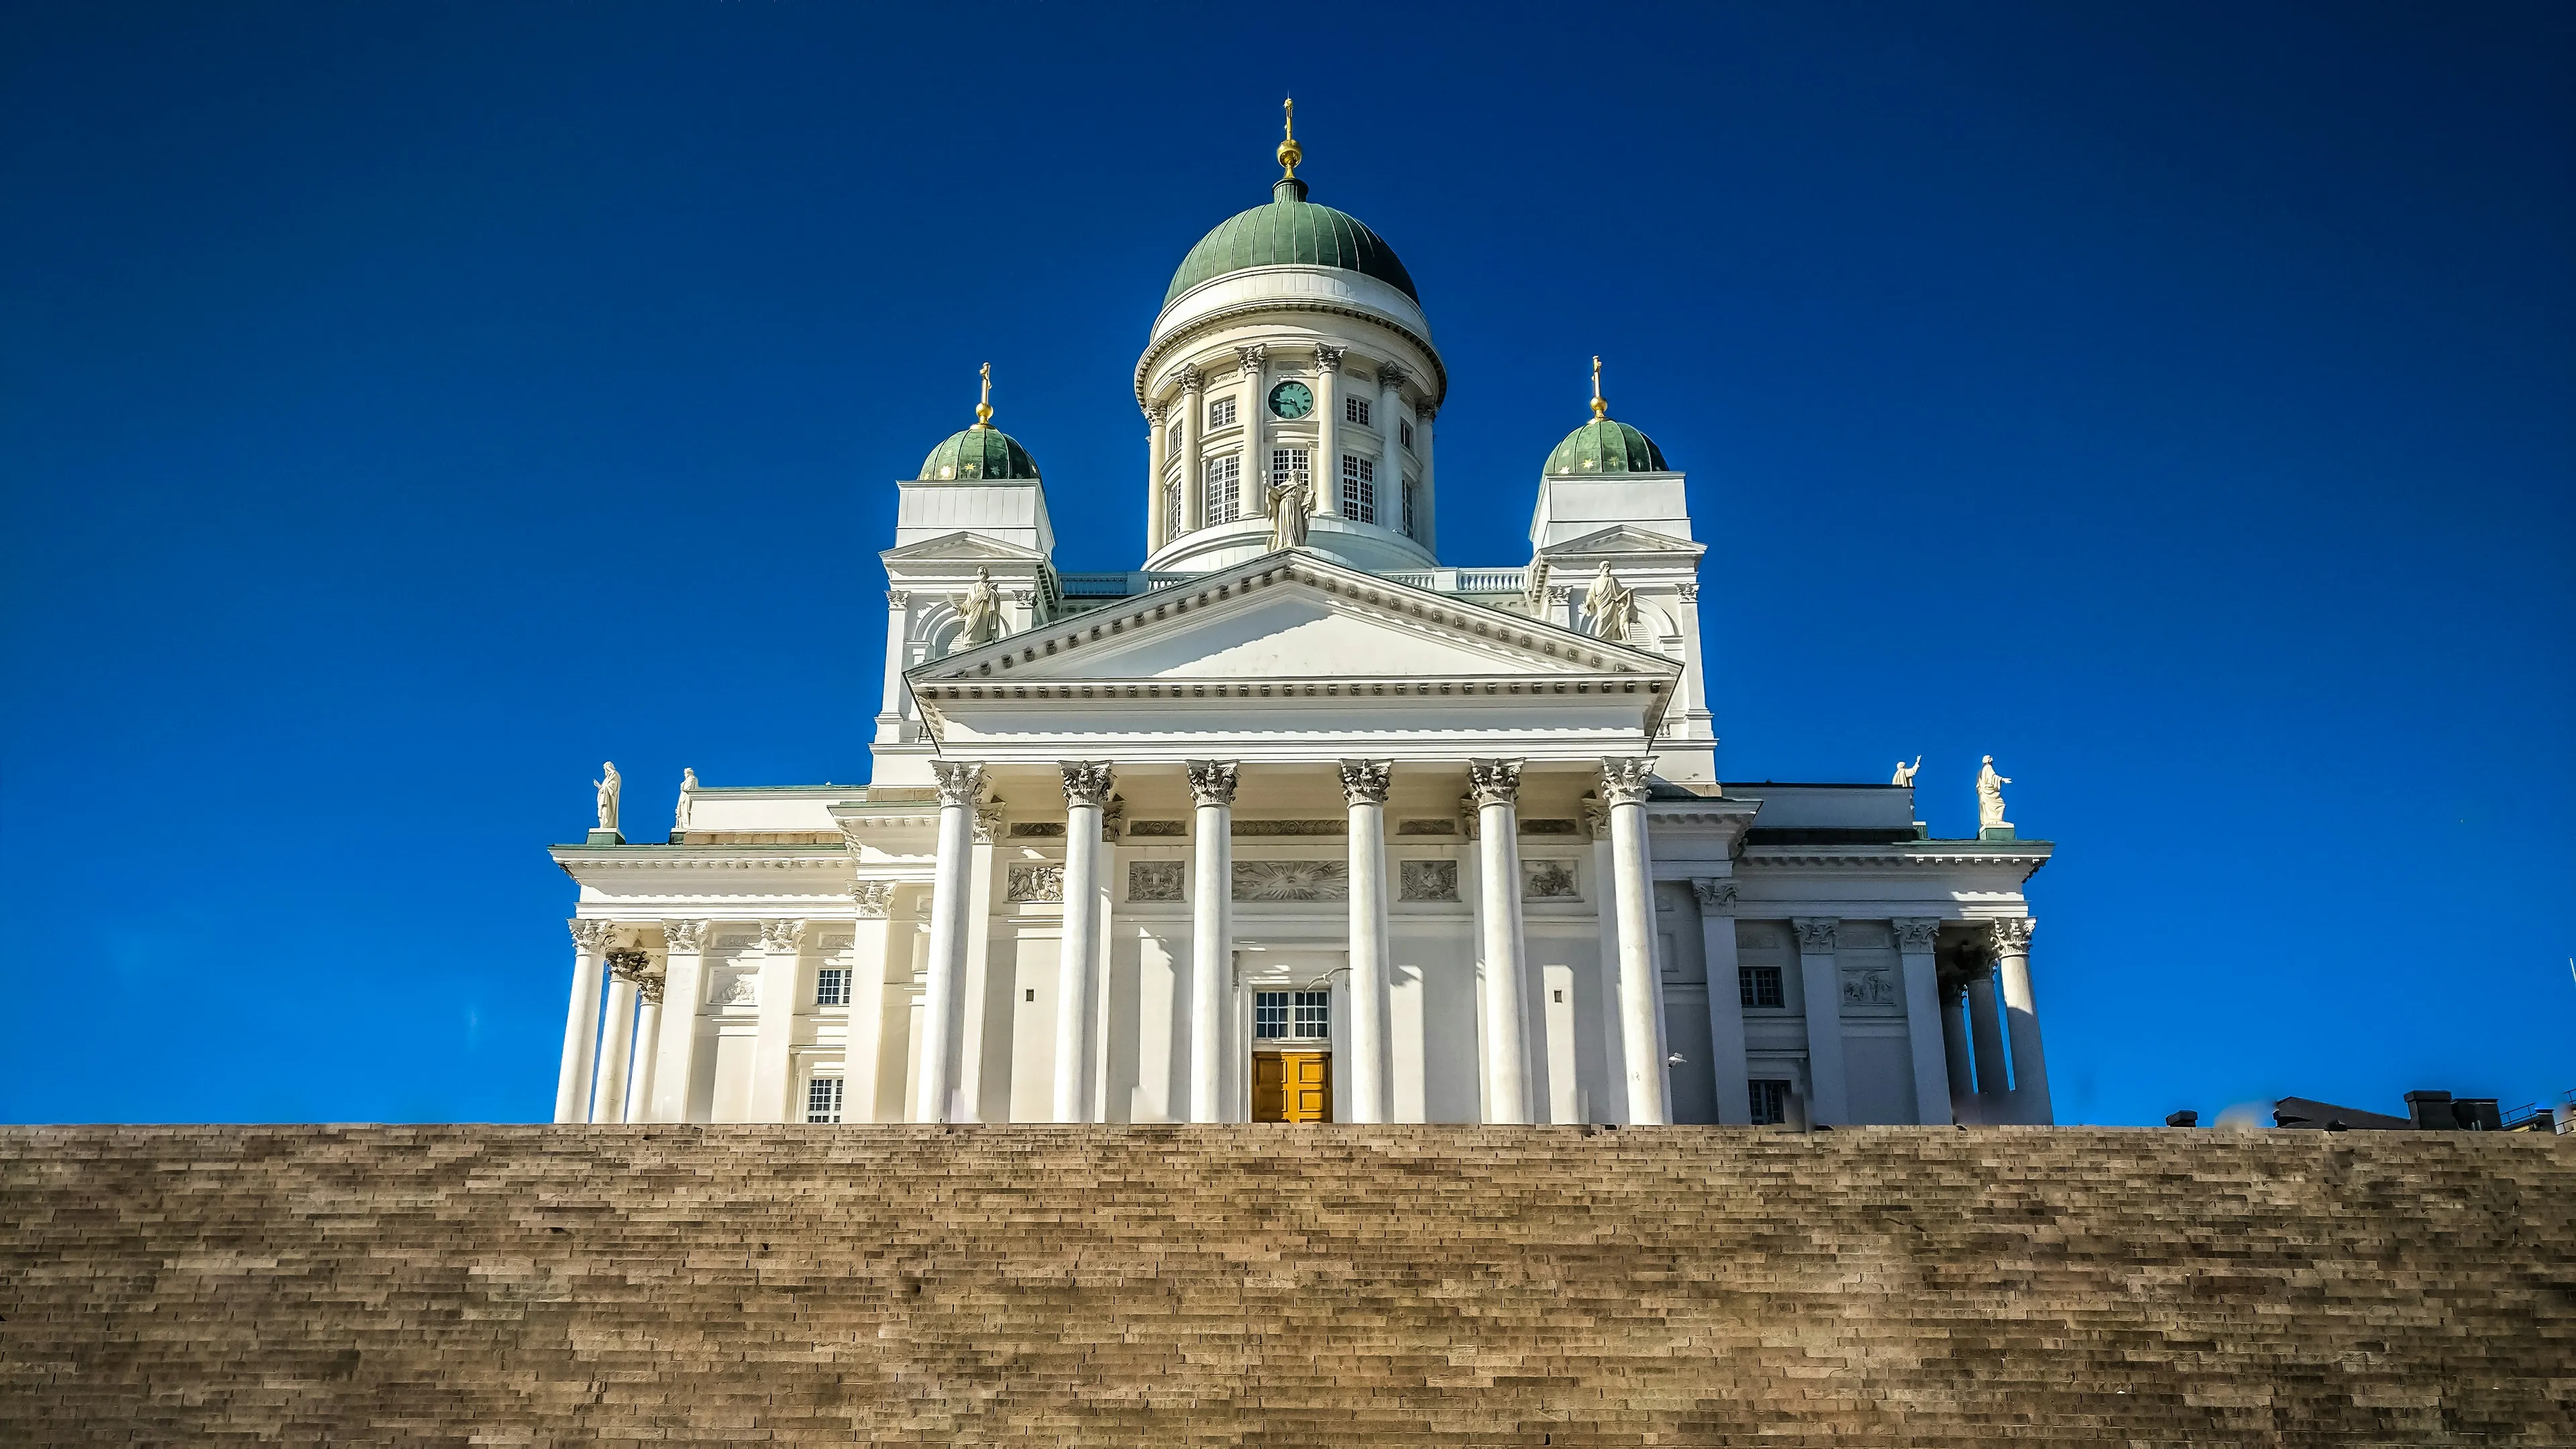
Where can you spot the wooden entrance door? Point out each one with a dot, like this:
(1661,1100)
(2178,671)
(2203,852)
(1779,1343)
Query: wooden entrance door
(1292,1087)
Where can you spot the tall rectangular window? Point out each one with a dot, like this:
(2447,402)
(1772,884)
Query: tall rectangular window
(1408,510)
(1404,433)
(1171,509)
(1359,488)
(1314,1014)
(1285,464)
(832,986)
(1355,410)
(1224,489)
(1269,1015)
(823,1100)
(1221,413)
(1760,985)
(1770,1101)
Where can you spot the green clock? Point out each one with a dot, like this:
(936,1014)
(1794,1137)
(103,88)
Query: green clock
(1291,400)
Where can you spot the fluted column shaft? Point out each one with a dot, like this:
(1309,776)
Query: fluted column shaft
(616,1038)
(1495,784)
(1328,430)
(1086,791)
(1364,786)
(1255,420)
(943,996)
(1211,933)
(1190,424)
(581,1022)
(1155,458)
(1641,987)
(2021,1021)
(1820,978)
(1390,448)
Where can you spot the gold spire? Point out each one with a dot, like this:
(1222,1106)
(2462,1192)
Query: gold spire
(984,407)
(1289,151)
(1600,409)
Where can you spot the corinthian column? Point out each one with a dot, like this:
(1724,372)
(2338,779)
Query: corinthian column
(684,989)
(617,1037)
(1328,430)
(943,996)
(1820,978)
(1726,1066)
(1086,789)
(1364,784)
(1641,987)
(1390,448)
(648,1048)
(2030,1103)
(1156,455)
(581,1021)
(773,1054)
(1496,785)
(1188,427)
(1915,939)
(1211,934)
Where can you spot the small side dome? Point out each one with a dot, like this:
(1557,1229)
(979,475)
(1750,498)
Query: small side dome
(1604,446)
(982,451)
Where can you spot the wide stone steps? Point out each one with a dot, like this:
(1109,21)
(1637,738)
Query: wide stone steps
(1283,1285)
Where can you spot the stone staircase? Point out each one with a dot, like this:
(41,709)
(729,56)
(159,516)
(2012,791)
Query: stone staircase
(1283,1286)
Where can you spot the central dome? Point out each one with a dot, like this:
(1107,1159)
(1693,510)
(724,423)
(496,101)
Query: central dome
(1291,232)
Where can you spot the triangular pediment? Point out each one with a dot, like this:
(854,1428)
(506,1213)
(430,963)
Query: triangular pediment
(961,546)
(1294,616)
(1624,538)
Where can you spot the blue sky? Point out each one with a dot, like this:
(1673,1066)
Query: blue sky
(408,406)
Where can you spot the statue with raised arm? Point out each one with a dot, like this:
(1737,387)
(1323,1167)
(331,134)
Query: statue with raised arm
(1290,504)
(1607,605)
(1905,772)
(688,789)
(607,786)
(981,609)
(1990,797)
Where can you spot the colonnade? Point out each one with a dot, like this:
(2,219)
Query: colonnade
(1495,787)
(1999,1009)
(607,1071)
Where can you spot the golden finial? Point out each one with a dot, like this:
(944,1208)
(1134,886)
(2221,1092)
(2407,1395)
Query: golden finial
(1600,409)
(984,407)
(1289,152)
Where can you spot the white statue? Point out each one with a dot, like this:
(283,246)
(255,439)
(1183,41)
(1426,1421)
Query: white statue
(981,607)
(607,788)
(1534,590)
(1290,503)
(1905,772)
(688,787)
(1606,606)
(1990,797)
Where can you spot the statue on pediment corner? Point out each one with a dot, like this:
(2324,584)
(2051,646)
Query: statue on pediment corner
(1990,797)
(1905,772)
(608,786)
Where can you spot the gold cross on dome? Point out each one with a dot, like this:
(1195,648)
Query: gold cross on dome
(1600,409)
(984,407)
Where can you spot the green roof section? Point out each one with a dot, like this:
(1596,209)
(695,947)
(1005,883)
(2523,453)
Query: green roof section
(982,451)
(1603,446)
(1291,231)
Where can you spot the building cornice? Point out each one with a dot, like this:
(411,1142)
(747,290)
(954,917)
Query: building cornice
(1188,334)
(2025,856)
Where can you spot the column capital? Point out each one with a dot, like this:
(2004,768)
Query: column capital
(1424,411)
(591,935)
(781,936)
(988,823)
(650,988)
(873,899)
(959,781)
(1494,782)
(1212,781)
(1716,895)
(1816,933)
(1916,935)
(1328,358)
(2012,935)
(1689,593)
(1190,378)
(898,598)
(1364,782)
(1252,356)
(1156,412)
(630,964)
(1086,782)
(1623,778)
(1391,376)
(684,935)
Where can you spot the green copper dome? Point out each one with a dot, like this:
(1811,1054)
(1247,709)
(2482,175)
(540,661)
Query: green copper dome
(982,451)
(1602,446)
(1291,231)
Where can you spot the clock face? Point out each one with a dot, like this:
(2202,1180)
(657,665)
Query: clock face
(1291,400)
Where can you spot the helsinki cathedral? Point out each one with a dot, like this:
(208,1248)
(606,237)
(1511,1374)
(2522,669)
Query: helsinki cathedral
(1294,821)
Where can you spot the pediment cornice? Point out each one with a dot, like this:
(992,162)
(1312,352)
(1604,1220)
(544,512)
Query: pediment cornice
(1621,538)
(963,546)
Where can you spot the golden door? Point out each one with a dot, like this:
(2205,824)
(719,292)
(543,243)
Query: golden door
(1292,1087)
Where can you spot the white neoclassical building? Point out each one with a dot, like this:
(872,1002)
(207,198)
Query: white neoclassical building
(1294,821)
